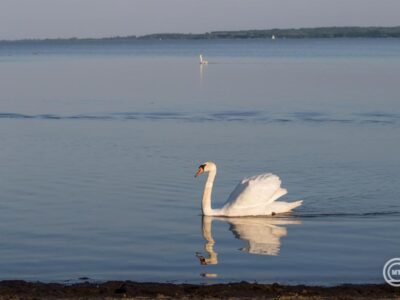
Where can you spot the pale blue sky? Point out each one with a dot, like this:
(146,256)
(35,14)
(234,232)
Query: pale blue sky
(98,18)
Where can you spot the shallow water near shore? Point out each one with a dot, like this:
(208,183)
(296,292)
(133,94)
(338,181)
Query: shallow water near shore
(99,145)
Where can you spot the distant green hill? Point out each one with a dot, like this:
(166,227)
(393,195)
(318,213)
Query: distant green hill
(292,33)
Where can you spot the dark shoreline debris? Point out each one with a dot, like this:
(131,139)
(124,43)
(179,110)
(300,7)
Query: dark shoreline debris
(17,289)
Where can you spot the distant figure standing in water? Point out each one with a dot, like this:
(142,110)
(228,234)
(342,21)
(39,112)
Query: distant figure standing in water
(203,61)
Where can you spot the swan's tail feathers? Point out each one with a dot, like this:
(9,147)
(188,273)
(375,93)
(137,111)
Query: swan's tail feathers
(295,204)
(279,207)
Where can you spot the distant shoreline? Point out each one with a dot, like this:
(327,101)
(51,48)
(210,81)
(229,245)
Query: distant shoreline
(290,33)
(16,289)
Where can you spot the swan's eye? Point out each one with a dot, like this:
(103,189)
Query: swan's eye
(202,167)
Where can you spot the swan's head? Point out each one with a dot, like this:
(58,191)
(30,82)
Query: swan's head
(208,166)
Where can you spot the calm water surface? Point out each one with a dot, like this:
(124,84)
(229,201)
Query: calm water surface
(100,142)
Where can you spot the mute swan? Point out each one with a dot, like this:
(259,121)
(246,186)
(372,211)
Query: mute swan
(253,196)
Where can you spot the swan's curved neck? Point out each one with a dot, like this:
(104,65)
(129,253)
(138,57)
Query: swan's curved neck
(206,202)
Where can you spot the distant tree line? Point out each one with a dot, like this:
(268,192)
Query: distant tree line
(293,33)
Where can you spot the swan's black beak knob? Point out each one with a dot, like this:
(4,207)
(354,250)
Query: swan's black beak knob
(200,171)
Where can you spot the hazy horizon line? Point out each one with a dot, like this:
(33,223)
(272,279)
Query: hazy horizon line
(191,33)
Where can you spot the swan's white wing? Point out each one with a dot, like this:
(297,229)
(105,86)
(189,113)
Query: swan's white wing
(255,192)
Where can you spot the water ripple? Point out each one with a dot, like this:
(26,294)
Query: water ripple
(366,214)
(381,118)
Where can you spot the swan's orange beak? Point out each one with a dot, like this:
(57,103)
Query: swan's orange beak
(199,172)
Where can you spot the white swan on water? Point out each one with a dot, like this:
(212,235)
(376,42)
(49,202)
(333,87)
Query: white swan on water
(253,196)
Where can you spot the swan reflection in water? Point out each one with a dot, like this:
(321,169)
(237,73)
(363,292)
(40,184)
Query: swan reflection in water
(261,234)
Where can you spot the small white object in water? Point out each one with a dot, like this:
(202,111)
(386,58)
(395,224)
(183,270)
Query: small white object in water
(203,61)
(272,37)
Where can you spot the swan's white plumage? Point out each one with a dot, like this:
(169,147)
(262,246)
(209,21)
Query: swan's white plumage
(255,191)
(253,196)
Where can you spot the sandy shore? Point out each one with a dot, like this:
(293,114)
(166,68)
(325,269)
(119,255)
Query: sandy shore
(134,290)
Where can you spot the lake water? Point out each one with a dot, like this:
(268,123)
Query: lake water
(100,142)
